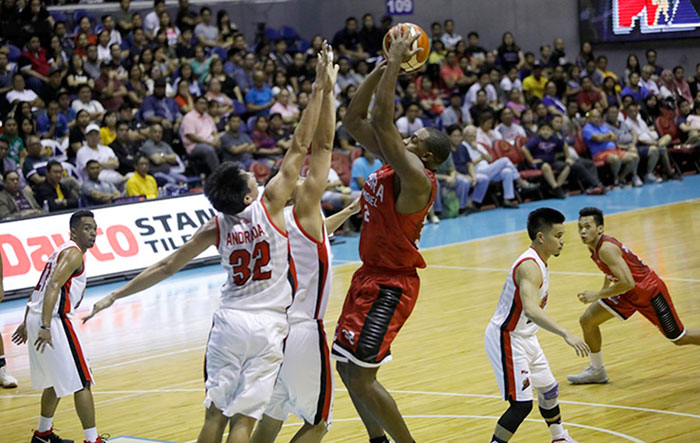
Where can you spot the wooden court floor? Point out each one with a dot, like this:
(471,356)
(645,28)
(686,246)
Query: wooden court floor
(147,351)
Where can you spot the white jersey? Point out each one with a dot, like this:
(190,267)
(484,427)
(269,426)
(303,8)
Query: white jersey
(255,254)
(312,261)
(71,292)
(509,315)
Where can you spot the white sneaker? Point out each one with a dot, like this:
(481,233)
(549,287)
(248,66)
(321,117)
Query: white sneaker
(651,178)
(564,438)
(636,181)
(7,380)
(590,375)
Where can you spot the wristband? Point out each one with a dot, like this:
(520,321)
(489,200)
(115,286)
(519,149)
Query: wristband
(45,327)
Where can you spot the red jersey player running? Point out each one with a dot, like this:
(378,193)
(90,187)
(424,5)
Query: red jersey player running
(629,286)
(395,200)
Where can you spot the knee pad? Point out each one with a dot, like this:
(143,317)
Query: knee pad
(548,398)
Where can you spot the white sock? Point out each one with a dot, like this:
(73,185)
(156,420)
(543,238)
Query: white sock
(597,359)
(556,430)
(90,435)
(45,424)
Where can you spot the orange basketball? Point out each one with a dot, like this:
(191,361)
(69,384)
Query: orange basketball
(418,59)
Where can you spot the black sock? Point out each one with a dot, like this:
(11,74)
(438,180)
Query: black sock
(551,416)
(2,361)
(381,439)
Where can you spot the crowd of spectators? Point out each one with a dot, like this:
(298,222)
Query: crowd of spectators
(99,109)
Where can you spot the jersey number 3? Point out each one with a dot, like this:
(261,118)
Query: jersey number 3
(240,260)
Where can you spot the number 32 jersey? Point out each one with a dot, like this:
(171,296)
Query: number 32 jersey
(255,254)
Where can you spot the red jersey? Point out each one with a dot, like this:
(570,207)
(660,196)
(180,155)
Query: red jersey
(388,239)
(641,273)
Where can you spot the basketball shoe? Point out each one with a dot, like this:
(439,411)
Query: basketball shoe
(48,437)
(564,438)
(6,379)
(590,375)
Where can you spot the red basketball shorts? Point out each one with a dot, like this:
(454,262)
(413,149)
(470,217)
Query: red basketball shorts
(377,305)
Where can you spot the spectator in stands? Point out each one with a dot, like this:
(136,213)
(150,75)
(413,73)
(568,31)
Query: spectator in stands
(91,64)
(516,104)
(455,113)
(244,76)
(450,38)
(199,135)
(6,163)
(259,98)
(20,93)
(345,75)
(611,93)
(509,54)
(533,85)
(647,80)
(237,146)
(152,19)
(109,88)
(135,86)
(77,76)
(509,130)
(484,82)
(34,156)
(52,87)
(186,18)
(602,65)
(481,107)
(626,139)
(409,123)
(337,195)
(509,82)
(500,170)
(546,60)
(76,136)
(288,111)
(183,97)
(476,53)
(103,52)
(559,51)
(162,157)
(370,36)
(280,132)
(693,82)
(201,63)
(451,74)
(172,33)
(632,66)
(142,183)
(96,191)
(591,71)
(158,108)
(589,98)
(361,169)
(430,97)
(85,102)
(123,17)
(583,168)
(650,145)
(601,142)
(187,76)
(265,143)
(10,133)
(124,149)
(93,150)
(651,61)
(206,33)
(347,41)
(552,102)
(214,93)
(34,64)
(57,195)
(15,203)
(138,42)
(52,124)
(639,93)
(541,153)
(682,89)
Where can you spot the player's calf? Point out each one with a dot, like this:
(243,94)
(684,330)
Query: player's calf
(311,433)
(511,420)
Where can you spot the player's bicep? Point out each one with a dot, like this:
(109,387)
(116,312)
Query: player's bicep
(611,255)
(528,278)
(69,262)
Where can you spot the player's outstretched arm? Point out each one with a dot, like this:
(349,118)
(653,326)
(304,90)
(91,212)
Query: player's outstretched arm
(279,189)
(529,278)
(308,200)
(70,261)
(611,255)
(356,121)
(408,166)
(336,220)
(202,239)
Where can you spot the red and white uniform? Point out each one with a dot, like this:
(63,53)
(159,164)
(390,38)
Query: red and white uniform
(385,288)
(305,383)
(649,296)
(511,341)
(63,366)
(245,346)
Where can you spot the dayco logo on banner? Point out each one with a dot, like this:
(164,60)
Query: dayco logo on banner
(129,237)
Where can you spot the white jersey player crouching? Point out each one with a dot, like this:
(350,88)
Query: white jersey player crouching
(511,340)
(245,348)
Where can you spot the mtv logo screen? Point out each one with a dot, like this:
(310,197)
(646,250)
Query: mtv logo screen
(625,20)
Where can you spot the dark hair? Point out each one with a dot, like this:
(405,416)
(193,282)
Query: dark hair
(452,128)
(439,144)
(226,188)
(78,215)
(122,123)
(90,162)
(473,34)
(488,115)
(677,68)
(7,173)
(350,19)
(649,51)
(157,2)
(590,211)
(204,8)
(541,219)
(139,155)
(51,164)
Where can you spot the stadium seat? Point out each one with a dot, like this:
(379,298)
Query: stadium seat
(58,16)
(271,35)
(220,52)
(679,156)
(78,14)
(260,170)
(504,149)
(250,123)
(240,109)
(303,45)
(14,54)
(666,125)
(290,34)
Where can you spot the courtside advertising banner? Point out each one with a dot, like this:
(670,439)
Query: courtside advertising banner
(129,237)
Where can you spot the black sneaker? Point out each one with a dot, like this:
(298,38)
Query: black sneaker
(559,193)
(51,438)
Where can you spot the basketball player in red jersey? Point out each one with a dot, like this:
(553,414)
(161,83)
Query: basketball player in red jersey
(56,358)
(245,347)
(629,286)
(6,379)
(395,200)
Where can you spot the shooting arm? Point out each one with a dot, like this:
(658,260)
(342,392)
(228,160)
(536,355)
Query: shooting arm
(356,121)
